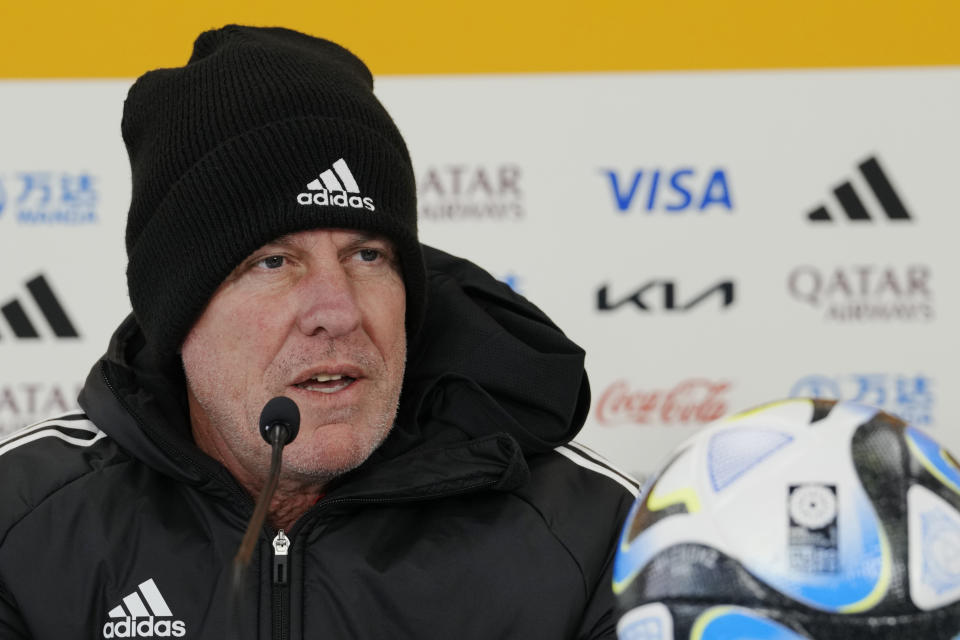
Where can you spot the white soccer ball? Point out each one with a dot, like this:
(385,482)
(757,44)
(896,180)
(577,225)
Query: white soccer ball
(801,519)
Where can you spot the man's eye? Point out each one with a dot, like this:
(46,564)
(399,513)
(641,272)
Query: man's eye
(369,255)
(271,262)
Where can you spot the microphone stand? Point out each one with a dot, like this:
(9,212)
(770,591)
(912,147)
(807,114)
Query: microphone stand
(279,425)
(278,439)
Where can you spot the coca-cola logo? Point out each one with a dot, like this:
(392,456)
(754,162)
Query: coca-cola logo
(692,401)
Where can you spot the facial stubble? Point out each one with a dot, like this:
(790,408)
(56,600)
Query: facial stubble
(317,459)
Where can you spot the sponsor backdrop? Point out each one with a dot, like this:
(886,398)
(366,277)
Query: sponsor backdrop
(719,215)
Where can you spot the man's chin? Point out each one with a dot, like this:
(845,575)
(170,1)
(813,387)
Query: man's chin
(330,451)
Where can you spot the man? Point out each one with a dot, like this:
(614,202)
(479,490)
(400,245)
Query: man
(272,246)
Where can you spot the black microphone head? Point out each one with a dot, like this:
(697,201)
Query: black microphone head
(280,411)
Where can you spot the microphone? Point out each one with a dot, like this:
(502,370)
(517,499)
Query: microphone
(279,425)
(280,412)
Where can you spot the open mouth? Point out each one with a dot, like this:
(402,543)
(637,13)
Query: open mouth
(326,383)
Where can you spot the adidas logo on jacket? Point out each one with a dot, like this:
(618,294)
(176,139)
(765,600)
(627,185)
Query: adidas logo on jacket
(138,619)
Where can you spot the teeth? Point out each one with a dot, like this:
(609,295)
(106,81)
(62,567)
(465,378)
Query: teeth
(325,378)
(339,385)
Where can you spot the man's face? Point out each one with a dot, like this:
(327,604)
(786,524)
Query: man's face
(317,316)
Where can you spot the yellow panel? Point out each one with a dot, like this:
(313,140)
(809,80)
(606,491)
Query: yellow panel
(122,38)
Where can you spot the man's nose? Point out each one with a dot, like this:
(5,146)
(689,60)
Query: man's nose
(328,301)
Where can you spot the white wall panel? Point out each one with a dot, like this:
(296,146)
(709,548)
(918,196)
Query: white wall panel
(514,174)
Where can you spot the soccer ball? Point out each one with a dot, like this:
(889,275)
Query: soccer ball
(798,520)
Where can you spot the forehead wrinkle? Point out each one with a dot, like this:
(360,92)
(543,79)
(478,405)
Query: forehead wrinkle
(360,236)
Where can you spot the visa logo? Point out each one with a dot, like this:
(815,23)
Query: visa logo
(680,190)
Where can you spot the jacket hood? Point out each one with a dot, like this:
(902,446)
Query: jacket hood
(488,372)
(489,361)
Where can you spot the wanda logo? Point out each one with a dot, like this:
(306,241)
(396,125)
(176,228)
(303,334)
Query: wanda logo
(692,401)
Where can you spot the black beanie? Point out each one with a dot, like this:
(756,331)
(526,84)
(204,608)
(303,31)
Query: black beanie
(264,132)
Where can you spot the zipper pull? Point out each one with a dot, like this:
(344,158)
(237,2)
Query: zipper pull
(281,545)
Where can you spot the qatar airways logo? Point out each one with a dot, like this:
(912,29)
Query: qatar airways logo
(865,292)
(471,192)
(26,402)
(693,401)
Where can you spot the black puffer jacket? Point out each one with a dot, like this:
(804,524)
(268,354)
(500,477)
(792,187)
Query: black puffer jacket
(475,519)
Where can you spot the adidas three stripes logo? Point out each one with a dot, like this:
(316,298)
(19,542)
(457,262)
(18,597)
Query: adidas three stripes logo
(335,187)
(46,301)
(143,614)
(328,181)
(854,208)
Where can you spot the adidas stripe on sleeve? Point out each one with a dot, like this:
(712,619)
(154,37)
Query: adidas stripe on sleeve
(73,428)
(590,459)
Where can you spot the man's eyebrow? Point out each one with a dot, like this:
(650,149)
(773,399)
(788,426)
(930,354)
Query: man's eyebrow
(367,236)
(283,241)
(359,237)
(363,237)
